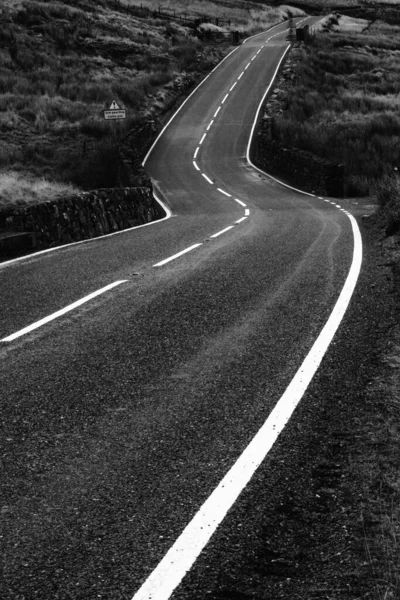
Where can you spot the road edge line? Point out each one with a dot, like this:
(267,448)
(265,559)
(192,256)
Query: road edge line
(168,214)
(179,559)
(60,312)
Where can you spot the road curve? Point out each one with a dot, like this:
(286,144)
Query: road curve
(120,417)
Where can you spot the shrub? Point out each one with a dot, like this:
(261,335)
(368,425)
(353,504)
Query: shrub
(97,169)
(387,192)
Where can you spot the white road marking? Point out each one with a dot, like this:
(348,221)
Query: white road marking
(210,123)
(240,202)
(253,128)
(217,111)
(225,193)
(247,66)
(231,88)
(196,165)
(240,220)
(202,139)
(320,197)
(221,232)
(180,557)
(196,152)
(163,262)
(259,50)
(61,312)
(241,75)
(207,179)
(246,212)
(225,97)
(183,104)
(253,57)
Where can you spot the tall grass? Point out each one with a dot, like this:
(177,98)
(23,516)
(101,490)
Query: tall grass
(344,106)
(17,189)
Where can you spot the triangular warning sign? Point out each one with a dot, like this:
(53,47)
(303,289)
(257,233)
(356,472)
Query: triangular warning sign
(114,106)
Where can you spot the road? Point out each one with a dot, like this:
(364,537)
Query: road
(120,417)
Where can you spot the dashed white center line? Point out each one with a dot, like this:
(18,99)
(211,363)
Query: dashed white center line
(239,202)
(196,165)
(225,193)
(221,232)
(240,220)
(217,111)
(210,123)
(196,152)
(231,88)
(247,66)
(202,139)
(225,97)
(241,75)
(61,312)
(258,51)
(253,57)
(247,212)
(207,178)
(163,262)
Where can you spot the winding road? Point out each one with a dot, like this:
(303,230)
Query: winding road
(138,369)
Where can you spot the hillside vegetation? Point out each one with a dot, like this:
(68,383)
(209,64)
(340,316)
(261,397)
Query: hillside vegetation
(63,62)
(344,103)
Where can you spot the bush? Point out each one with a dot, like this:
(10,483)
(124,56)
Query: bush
(97,168)
(387,192)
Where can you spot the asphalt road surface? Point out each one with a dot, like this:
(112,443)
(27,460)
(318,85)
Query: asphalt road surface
(120,417)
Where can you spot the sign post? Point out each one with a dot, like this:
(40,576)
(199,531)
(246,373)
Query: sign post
(114,112)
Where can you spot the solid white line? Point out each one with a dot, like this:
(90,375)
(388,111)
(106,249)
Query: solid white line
(246,212)
(231,88)
(226,193)
(225,97)
(202,139)
(180,557)
(240,202)
(217,111)
(252,132)
(222,231)
(210,123)
(163,262)
(241,75)
(240,220)
(196,152)
(207,178)
(13,261)
(196,166)
(61,312)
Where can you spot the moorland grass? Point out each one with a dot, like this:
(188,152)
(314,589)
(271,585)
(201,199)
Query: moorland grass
(21,190)
(344,105)
(62,63)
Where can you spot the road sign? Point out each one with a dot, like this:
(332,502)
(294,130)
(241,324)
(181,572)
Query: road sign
(115,112)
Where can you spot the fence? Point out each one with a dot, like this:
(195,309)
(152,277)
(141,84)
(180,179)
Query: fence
(173,15)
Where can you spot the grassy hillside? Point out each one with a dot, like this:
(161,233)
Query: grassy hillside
(344,103)
(63,62)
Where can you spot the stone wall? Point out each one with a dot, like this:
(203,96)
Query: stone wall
(300,168)
(86,215)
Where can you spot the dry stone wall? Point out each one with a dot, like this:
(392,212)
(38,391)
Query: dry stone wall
(86,215)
